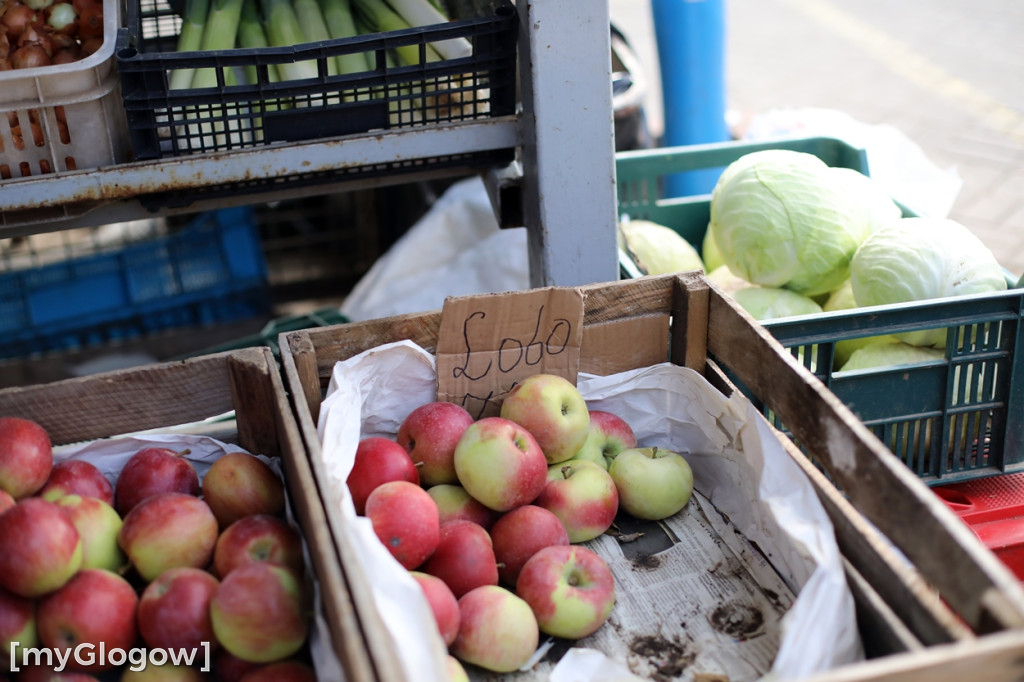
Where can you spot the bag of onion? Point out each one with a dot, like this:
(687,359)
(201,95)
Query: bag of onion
(36,33)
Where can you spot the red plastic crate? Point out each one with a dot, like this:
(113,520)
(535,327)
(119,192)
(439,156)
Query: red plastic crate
(993,507)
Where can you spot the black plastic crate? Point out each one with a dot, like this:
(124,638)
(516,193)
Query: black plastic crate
(165,122)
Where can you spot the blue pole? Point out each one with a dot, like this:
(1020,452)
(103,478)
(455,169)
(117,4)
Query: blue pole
(691,54)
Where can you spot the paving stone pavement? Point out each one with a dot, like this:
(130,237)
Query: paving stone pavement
(947,74)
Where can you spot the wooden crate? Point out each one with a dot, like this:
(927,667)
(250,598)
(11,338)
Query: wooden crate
(184,396)
(951,606)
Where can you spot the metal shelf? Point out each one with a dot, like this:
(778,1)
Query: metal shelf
(563,179)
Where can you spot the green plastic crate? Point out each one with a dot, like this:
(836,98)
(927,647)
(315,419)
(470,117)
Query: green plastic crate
(953,419)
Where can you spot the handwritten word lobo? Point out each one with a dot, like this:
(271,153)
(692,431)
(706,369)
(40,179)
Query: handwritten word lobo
(497,370)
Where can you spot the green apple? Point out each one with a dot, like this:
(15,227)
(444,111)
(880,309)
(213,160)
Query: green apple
(653,483)
(607,436)
(570,589)
(553,411)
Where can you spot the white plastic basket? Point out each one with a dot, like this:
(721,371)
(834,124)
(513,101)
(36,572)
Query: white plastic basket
(81,123)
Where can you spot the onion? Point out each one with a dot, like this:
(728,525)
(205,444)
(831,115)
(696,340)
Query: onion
(29,56)
(38,4)
(90,21)
(36,34)
(62,18)
(80,5)
(16,18)
(90,46)
(66,55)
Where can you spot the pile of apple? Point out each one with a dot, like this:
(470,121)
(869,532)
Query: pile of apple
(489,515)
(153,561)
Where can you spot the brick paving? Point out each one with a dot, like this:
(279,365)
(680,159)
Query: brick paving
(949,75)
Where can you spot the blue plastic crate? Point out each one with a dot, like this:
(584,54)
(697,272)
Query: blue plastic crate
(212,271)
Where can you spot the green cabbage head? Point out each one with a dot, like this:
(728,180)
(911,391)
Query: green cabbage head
(915,259)
(781,219)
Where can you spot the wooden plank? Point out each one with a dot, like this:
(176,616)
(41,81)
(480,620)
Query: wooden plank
(121,401)
(306,499)
(256,406)
(882,631)
(993,658)
(378,644)
(975,583)
(690,327)
(301,355)
(873,558)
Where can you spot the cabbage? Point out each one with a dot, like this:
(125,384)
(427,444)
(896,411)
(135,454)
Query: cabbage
(780,219)
(886,354)
(879,208)
(723,277)
(768,303)
(842,299)
(915,259)
(709,252)
(657,249)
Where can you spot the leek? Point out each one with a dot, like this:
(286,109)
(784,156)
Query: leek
(341,24)
(251,34)
(219,33)
(284,30)
(314,29)
(423,13)
(380,18)
(189,39)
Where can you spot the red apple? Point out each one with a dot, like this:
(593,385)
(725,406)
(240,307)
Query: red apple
(151,471)
(6,501)
(40,673)
(17,623)
(39,548)
(98,526)
(168,530)
(174,609)
(239,484)
(498,632)
(405,519)
(259,614)
(230,668)
(464,557)
(77,477)
(429,434)
(453,502)
(519,534)
(500,464)
(167,672)
(378,460)
(569,588)
(260,537)
(553,411)
(442,602)
(456,672)
(583,496)
(26,456)
(607,436)
(95,607)
(281,671)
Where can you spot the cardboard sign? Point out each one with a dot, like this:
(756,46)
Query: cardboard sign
(488,343)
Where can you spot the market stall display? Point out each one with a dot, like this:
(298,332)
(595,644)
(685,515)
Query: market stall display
(212,406)
(708,333)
